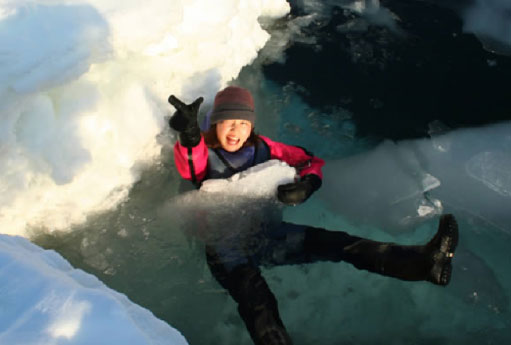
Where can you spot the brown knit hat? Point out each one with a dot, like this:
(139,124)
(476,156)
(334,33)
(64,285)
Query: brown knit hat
(233,103)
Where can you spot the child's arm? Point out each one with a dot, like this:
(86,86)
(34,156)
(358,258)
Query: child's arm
(295,156)
(190,152)
(191,162)
(308,166)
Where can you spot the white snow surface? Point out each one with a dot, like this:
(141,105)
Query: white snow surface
(46,301)
(84,88)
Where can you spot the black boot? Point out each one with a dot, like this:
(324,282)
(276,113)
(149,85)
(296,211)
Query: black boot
(431,262)
(441,250)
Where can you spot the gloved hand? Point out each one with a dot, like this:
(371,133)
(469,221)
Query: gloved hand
(297,192)
(185,122)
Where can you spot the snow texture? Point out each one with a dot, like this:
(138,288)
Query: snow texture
(84,88)
(46,301)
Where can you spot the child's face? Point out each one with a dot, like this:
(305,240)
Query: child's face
(232,134)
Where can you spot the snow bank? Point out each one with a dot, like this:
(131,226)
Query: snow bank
(84,89)
(46,301)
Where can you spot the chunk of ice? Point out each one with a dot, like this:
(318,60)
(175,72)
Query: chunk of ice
(229,209)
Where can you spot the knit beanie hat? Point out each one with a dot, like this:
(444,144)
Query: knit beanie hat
(233,103)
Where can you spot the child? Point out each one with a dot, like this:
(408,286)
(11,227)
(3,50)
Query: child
(229,146)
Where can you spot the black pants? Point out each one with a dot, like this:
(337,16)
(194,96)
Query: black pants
(239,273)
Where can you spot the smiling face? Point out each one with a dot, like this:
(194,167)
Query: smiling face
(232,134)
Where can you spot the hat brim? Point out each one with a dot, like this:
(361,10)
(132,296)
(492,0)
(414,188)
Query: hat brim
(232,114)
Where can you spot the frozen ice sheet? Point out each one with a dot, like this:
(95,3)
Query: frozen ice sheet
(398,185)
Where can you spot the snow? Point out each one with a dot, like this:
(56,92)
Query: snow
(84,88)
(46,301)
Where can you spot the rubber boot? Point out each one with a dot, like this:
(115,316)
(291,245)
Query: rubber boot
(257,305)
(430,262)
(441,249)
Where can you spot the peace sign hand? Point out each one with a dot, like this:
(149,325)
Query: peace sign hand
(185,115)
(185,122)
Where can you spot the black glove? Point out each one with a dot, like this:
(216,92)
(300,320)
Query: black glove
(298,192)
(185,122)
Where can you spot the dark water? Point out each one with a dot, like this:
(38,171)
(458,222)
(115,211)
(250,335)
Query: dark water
(341,95)
(396,83)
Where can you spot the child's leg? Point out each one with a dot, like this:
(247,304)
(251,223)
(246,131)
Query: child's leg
(256,303)
(431,262)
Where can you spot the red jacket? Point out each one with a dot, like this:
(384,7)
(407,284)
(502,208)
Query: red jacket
(196,158)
